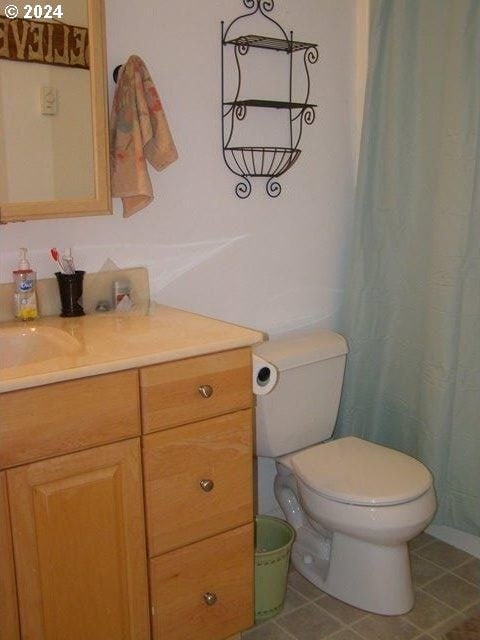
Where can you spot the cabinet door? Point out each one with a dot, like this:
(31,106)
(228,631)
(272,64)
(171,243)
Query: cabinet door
(79,545)
(8,598)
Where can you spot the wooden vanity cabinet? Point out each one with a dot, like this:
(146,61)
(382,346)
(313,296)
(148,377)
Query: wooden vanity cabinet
(77,519)
(79,545)
(185,391)
(198,480)
(9,628)
(43,422)
(76,459)
(198,495)
(203,590)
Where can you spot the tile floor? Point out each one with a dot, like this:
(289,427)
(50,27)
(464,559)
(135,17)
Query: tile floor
(447,586)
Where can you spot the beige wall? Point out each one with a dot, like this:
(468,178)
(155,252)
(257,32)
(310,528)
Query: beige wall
(274,264)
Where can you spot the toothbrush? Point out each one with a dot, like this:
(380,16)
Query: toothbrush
(67,261)
(56,256)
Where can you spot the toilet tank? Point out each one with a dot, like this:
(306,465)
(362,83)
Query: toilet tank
(302,408)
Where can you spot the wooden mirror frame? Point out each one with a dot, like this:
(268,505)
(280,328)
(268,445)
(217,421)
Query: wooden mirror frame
(101,203)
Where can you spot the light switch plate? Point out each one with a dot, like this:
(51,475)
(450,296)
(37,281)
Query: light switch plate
(49,101)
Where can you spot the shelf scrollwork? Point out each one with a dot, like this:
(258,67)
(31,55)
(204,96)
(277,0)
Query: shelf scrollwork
(308,115)
(271,162)
(243,189)
(311,55)
(262,5)
(240,111)
(242,47)
(273,188)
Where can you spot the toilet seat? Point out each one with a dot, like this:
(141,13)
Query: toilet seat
(354,471)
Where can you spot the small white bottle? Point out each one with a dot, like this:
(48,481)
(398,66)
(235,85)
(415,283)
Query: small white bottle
(25,296)
(122,295)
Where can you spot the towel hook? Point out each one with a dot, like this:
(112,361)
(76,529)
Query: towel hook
(116,71)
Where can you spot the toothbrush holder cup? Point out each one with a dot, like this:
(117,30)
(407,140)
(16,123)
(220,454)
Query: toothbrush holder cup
(70,286)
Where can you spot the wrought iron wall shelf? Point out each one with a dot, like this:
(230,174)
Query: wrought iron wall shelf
(264,42)
(273,104)
(247,161)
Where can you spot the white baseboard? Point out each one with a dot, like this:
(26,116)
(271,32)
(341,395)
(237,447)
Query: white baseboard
(465,541)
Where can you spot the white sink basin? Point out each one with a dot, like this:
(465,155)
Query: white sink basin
(27,345)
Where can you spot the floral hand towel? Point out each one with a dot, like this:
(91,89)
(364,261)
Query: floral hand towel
(138,132)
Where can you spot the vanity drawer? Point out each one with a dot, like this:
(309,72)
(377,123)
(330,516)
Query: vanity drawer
(178,462)
(218,570)
(55,419)
(184,391)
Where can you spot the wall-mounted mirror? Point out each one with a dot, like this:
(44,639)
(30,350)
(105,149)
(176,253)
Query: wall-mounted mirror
(53,111)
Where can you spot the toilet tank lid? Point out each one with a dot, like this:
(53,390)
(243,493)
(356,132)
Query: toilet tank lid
(300,349)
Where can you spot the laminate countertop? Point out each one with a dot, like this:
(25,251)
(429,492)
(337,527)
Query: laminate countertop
(54,349)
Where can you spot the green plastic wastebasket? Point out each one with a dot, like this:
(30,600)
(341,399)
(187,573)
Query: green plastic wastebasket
(273,543)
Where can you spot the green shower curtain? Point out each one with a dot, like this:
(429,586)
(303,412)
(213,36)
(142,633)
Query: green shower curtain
(412,301)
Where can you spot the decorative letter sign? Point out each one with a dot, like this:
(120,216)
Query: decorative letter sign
(44,42)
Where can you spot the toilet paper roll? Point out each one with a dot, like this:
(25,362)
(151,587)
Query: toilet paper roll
(265,376)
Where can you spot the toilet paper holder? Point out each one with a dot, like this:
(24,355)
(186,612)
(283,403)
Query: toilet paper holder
(265,376)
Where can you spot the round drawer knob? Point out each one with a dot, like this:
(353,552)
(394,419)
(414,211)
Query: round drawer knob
(210,598)
(205,390)
(207,485)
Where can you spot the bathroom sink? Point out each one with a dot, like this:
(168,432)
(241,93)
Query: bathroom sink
(25,345)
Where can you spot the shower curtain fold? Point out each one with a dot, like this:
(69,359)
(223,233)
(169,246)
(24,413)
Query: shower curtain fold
(411,312)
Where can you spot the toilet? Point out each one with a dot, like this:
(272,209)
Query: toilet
(354,504)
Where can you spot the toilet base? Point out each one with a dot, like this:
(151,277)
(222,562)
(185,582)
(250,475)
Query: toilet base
(369,576)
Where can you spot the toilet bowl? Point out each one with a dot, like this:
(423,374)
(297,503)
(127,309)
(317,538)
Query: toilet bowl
(354,504)
(353,522)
